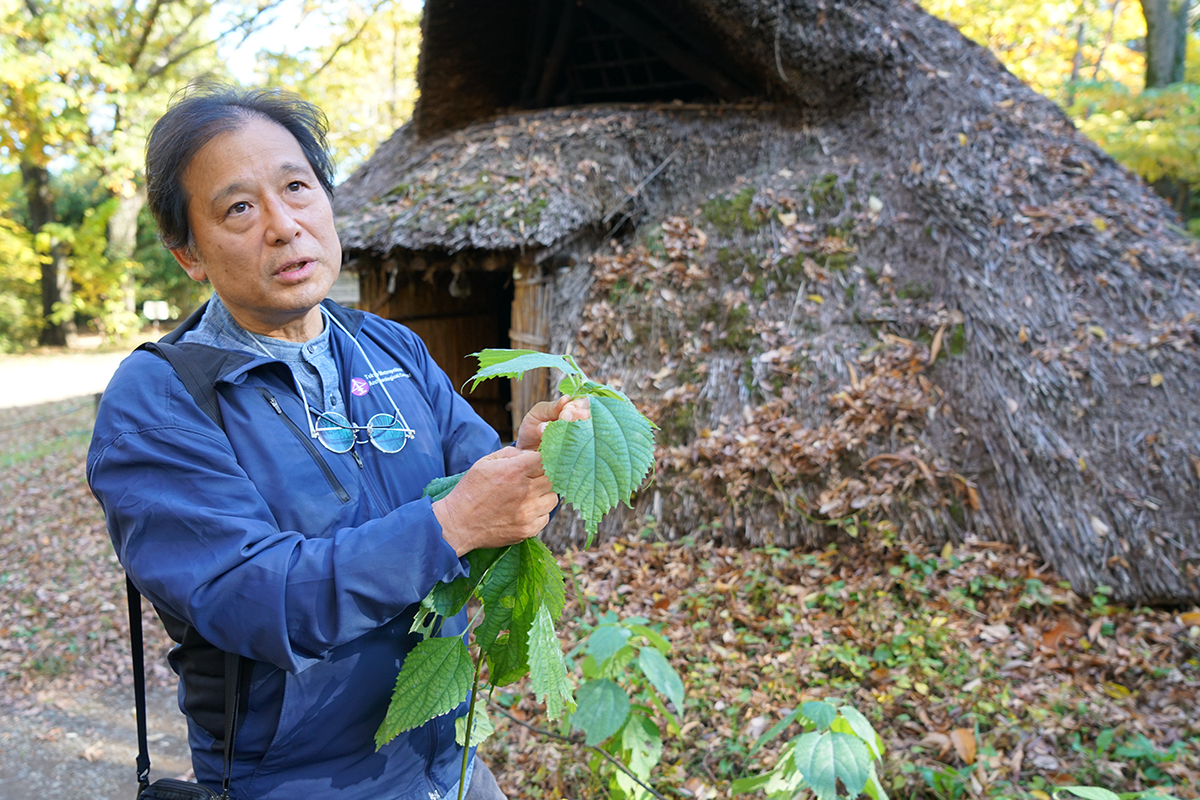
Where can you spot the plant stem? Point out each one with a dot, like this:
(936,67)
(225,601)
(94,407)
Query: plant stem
(462,775)
(571,740)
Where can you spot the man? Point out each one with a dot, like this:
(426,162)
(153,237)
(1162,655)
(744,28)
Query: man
(296,535)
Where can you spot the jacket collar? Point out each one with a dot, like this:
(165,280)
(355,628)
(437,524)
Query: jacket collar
(228,366)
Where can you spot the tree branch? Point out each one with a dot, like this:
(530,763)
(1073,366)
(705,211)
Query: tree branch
(350,40)
(576,740)
(247,26)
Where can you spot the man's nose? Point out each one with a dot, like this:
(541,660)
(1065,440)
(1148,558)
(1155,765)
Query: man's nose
(282,226)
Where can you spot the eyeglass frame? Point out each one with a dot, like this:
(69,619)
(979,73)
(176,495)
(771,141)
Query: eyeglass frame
(315,433)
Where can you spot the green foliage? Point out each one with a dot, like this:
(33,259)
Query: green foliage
(838,746)
(627,684)
(595,463)
(1155,133)
(435,678)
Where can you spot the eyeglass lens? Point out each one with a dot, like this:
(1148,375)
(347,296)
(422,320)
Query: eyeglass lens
(339,435)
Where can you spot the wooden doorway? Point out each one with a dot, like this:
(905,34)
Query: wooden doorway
(462,311)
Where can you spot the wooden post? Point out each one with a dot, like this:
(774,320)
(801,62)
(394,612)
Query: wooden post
(532,294)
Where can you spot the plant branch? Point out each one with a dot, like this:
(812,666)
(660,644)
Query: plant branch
(462,776)
(576,740)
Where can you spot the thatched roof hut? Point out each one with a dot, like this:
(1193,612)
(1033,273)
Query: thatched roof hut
(861,276)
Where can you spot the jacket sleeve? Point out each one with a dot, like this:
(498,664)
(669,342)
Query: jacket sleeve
(199,540)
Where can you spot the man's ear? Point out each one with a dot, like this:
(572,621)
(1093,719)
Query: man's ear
(191,263)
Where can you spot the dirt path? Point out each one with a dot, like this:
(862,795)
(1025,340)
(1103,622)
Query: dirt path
(84,745)
(78,744)
(27,380)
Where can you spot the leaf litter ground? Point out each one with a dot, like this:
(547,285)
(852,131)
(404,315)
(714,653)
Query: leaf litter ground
(985,675)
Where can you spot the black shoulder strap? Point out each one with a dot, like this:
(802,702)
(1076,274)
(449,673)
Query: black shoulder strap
(198,366)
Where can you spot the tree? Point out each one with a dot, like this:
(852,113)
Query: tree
(1166,41)
(79,81)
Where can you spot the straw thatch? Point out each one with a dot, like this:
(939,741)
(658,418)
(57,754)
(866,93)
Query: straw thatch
(898,290)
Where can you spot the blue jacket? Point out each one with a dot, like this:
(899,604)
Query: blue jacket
(305,561)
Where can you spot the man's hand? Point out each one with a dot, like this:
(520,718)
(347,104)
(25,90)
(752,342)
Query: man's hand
(529,436)
(504,498)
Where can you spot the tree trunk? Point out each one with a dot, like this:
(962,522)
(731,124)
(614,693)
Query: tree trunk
(1166,40)
(56,281)
(122,240)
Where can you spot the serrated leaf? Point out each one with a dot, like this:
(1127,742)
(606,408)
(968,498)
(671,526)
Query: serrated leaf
(605,641)
(434,680)
(824,758)
(1089,792)
(481,728)
(547,670)
(861,727)
(819,712)
(519,582)
(662,676)
(514,363)
(596,463)
(602,709)
(438,488)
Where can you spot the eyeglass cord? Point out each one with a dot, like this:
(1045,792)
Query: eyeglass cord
(374,374)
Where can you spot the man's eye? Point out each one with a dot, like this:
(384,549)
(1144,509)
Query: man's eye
(238,208)
(295,186)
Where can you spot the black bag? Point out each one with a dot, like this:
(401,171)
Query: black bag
(171,789)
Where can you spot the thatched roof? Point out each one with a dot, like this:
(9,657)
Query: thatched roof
(791,270)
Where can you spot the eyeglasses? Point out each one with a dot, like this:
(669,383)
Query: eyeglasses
(388,432)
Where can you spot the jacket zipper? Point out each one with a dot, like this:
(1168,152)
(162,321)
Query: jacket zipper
(336,485)
(380,506)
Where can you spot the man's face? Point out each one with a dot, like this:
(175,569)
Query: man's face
(262,230)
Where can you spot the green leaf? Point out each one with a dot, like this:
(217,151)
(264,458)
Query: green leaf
(775,730)
(824,758)
(438,488)
(513,363)
(434,680)
(596,463)
(819,712)
(641,739)
(751,784)
(861,728)
(547,670)
(874,788)
(447,599)
(605,641)
(481,728)
(662,676)
(520,581)
(1089,792)
(603,709)
(653,636)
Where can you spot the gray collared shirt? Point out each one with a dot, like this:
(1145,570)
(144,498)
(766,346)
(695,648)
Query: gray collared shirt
(312,362)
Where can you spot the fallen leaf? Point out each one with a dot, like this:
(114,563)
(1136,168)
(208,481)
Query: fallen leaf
(963,740)
(936,347)
(93,752)
(1190,618)
(1115,690)
(1156,379)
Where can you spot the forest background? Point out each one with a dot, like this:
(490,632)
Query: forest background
(81,82)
